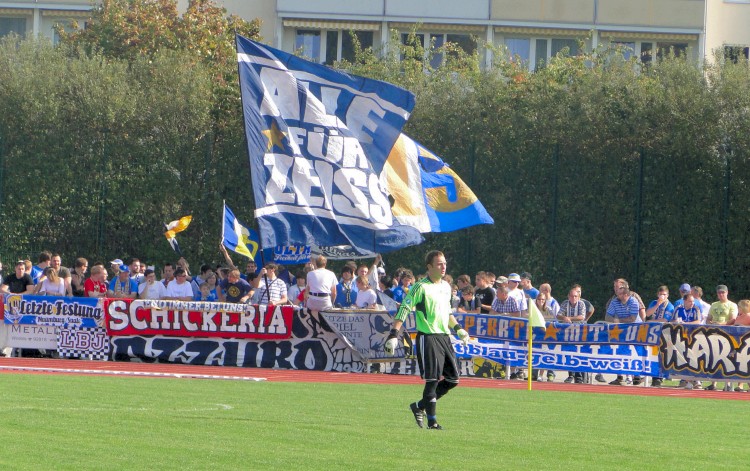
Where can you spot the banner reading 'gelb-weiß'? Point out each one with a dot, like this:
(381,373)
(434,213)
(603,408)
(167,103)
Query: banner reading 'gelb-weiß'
(318,140)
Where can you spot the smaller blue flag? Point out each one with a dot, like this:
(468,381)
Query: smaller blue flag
(238,237)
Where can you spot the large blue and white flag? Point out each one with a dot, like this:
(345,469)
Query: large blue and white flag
(427,193)
(318,141)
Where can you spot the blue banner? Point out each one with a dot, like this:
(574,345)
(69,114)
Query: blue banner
(55,311)
(288,254)
(318,140)
(613,359)
(513,328)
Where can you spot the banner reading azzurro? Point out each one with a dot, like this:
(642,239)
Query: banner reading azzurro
(513,328)
(56,311)
(318,140)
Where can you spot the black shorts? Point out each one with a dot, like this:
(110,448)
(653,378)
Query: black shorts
(436,357)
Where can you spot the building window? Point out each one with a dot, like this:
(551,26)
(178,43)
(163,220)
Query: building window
(567,46)
(519,49)
(736,53)
(535,52)
(626,48)
(438,40)
(679,49)
(340,46)
(307,44)
(12,25)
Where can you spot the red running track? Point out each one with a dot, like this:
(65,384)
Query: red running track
(80,367)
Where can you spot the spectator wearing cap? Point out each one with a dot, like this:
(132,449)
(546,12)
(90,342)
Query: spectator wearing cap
(704,307)
(484,293)
(722,312)
(115,265)
(684,289)
(150,288)
(527,287)
(122,286)
(514,281)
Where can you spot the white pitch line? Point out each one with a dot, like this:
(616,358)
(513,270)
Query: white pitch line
(129,373)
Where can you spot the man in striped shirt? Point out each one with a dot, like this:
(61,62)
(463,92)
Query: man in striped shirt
(625,308)
(430,299)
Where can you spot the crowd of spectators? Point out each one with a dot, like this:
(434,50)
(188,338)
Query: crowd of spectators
(365,286)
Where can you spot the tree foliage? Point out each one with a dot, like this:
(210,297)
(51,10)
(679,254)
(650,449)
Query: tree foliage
(593,166)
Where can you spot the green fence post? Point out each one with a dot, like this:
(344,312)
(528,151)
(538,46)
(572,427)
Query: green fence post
(638,221)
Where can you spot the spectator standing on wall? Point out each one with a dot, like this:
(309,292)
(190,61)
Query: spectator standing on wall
(623,309)
(321,286)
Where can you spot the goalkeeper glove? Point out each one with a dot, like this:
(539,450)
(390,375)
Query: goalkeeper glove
(461,334)
(391,342)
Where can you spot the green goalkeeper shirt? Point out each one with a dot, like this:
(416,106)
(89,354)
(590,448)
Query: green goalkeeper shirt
(431,303)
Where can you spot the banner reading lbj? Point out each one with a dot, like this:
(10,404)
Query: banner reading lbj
(318,140)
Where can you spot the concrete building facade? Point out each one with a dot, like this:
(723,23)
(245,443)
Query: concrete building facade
(532,30)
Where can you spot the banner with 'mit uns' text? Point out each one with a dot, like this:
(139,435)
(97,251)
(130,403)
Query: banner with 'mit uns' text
(491,327)
(197,319)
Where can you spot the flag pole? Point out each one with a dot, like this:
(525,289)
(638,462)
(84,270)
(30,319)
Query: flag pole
(529,335)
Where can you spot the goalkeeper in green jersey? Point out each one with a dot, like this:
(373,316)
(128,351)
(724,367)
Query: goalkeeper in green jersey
(430,299)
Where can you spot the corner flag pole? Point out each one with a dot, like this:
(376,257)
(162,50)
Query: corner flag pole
(530,336)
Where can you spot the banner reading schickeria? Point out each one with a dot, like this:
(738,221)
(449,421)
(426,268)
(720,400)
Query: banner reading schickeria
(318,140)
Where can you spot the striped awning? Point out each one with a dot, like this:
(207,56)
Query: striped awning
(565,32)
(67,13)
(328,24)
(440,27)
(649,35)
(16,11)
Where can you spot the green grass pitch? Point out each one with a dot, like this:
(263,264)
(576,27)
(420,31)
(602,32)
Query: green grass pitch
(95,422)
